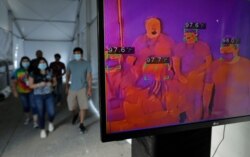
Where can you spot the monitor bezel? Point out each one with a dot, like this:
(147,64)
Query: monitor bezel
(105,137)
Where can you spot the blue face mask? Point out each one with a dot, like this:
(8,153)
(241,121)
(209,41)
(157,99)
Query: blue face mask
(77,57)
(42,66)
(25,65)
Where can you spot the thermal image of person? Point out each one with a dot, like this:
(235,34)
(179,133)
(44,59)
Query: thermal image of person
(114,73)
(153,44)
(227,86)
(113,69)
(191,59)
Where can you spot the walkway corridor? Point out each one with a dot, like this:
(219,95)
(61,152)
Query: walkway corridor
(18,140)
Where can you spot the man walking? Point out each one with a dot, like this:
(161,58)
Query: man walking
(58,69)
(80,88)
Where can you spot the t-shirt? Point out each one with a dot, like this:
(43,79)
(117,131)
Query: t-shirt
(192,57)
(232,85)
(78,71)
(21,76)
(38,78)
(146,47)
(57,68)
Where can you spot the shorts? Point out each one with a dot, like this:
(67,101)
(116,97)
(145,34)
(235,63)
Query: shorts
(77,98)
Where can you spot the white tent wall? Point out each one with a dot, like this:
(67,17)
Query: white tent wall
(236,142)
(5,44)
(4,19)
(15,30)
(92,41)
(17,50)
(92,35)
(5,32)
(17,46)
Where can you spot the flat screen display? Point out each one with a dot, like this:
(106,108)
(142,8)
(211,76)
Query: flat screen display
(173,64)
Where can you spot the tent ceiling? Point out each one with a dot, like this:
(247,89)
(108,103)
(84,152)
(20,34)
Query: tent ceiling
(45,19)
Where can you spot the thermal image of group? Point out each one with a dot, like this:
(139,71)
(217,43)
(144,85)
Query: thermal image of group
(156,81)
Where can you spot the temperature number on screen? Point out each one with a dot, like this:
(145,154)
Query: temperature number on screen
(195,25)
(121,50)
(228,40)
(157,60)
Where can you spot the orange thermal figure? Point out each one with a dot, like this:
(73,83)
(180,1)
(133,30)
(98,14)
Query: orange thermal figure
(152,43)
(113,72)
(140,94)
(151,76)
(228,82)
(192,58)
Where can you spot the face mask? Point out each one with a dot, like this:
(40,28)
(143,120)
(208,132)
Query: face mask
(77,57)
(42,66)
(25,64)
(227,56)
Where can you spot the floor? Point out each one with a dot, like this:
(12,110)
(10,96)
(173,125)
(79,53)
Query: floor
(18,140)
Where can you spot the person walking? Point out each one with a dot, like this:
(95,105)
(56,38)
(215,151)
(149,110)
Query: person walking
(58,69)
(42,83)
(79,73)
(21,90)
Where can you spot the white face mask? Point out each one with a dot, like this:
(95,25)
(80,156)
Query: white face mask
(25,64)
(77,57)
(42,66)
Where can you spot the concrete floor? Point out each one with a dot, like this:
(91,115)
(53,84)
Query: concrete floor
(18,140)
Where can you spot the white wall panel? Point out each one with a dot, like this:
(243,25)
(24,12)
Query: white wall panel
(5,35)
(5,45)
(93,9)
(94,49)
(84,39)
(236,142)
(18,50)
(15,30)
(83,16)
(4,22)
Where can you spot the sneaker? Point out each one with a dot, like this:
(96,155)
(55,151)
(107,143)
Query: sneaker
(35,125)
(82,128)
(43,134)
(74,118)
(26,121)
(51,127)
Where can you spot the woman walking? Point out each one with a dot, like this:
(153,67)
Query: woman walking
(21,89)
(42,82)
